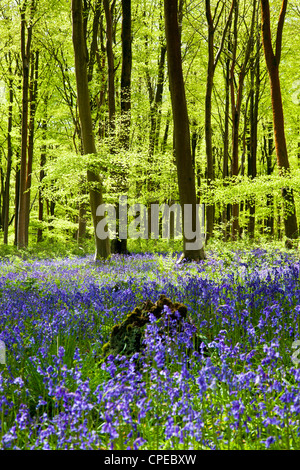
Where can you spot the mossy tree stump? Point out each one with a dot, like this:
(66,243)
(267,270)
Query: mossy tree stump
(127,338)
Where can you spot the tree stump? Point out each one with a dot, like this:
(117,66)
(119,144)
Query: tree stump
(127,338)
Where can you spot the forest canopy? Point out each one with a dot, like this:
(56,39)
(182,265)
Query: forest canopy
(239,60)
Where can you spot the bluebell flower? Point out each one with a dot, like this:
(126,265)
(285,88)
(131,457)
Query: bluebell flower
(270,440)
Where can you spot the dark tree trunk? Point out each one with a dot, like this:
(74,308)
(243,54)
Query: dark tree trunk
(236,104)
(17,200)
(252,154)
(273,61)
(185,173)
(42,175)
(33,105)
(211,67)
(22,238)
(155,104)
(268,149)
(95,186)
(126,73)
(227,209)
(155,116)
(111,67)
(119,245)
(9,158)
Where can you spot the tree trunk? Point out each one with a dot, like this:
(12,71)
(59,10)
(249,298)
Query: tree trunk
(227,208)
(17,200)
(119,245)
(33,106)
(208,139)
(185,173)
(252,154)
(89,147)
(155,116)
(111,68)
(268,148)
(236,103)
(155,105)
(273,61)
(9,158)
(126,73)
(42,174)
(22,239)
(211,67)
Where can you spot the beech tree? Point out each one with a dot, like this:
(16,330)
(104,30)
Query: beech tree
(213,59)
(26,39)
(237,87)
(6,197)
(43,169)
(273,61)
(89,147)
(185,171)
(119,245)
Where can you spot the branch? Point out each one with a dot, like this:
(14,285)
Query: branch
(219,15)
(224,33)
(250,39)
(266,33)
(208,14)
(280,31)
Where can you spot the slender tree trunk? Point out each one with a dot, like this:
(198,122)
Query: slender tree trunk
(155,105)
(9,159)
(273,61)
(252,155)
(185,173)
(155,115)
(33,106)
(166,133)
(268,148)
(41,201)
(42,172)
(111,67)
(236,104)
(227,208)
(119,245)
(126,73)
(25,54)
(210,209)
(17,200)
(89,147)
(211,67)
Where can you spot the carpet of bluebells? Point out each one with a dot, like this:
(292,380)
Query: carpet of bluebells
(57,391)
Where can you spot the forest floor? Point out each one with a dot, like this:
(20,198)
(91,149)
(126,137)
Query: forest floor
(59,391)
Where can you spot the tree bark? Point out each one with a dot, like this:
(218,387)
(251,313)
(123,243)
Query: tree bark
(22,239)
(111,67)
(236,104)
(273,60)
(119,245)
(126,73)
(227,209)
(102,247)
(33,105)
(42,172)
(9,157)
(268,148)
(213,60)
(252,154)
(185,172)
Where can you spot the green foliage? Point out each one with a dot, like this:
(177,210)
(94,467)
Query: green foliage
(144,175)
